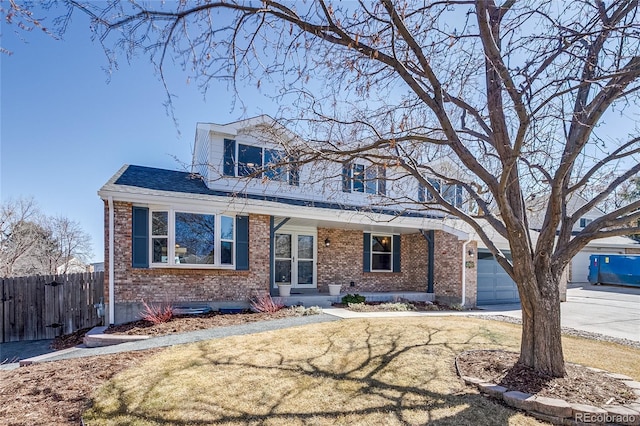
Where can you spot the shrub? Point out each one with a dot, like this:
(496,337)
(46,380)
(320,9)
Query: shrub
(399,307)
(311,310)
(265,304)
(157,313)
(456,307)
(352,299)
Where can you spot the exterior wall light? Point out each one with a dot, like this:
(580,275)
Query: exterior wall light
(471,252)
(327,243)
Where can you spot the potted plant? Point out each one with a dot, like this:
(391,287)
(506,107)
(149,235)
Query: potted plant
(334,289)
(284,289)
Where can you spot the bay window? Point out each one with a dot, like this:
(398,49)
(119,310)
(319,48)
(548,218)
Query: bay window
(190,238)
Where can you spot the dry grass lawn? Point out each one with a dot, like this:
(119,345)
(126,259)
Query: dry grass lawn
(356,372)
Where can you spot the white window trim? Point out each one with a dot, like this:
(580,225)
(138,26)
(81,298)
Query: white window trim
(171,239)
(371,253)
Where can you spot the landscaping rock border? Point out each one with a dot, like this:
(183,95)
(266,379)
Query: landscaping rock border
(559,411)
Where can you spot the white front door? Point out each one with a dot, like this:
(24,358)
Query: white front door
(295,259)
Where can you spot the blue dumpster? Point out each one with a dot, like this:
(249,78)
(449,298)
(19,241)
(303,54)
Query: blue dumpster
(618,269)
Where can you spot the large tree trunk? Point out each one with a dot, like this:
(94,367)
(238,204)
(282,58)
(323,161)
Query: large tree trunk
(541,346)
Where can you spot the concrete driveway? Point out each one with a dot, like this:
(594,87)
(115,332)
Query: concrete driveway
(610,310)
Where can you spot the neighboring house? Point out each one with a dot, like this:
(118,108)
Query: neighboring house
(578,270)
(96,267)
(73,266)
(219,237)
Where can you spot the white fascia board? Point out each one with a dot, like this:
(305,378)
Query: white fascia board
(241,205)
(233,128)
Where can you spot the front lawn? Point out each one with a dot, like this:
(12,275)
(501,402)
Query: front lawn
(374,371)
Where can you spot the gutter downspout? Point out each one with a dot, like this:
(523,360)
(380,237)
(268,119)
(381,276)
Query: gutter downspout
(112,307)
(464,272)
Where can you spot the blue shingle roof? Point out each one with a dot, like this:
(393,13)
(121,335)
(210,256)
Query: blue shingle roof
(188,183)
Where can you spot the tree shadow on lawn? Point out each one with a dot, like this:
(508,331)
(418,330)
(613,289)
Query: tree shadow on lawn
(354,372)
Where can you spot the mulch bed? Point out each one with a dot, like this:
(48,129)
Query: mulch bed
(178,324)
(581,385)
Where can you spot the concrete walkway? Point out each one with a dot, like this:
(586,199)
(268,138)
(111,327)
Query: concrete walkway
(609,310)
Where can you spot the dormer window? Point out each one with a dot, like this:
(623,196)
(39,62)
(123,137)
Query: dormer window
(584,222)
(452,193)
(258,162)
(358,178)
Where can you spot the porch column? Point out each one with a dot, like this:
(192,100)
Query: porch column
(430,237)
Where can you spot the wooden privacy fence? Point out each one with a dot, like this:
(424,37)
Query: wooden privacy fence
(43,307)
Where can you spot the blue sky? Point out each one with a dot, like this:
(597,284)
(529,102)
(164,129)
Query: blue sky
(65,130)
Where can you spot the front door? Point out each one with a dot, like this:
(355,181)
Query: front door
(295,259)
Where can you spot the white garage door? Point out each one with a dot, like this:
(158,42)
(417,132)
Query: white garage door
(494,285)
(580,264)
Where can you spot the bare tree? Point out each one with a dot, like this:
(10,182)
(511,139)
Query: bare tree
(17,232)
(32,243)
(518,95)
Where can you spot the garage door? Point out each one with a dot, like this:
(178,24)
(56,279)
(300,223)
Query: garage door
(494,285)
(580,264)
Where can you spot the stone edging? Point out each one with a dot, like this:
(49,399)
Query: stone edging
(559,411)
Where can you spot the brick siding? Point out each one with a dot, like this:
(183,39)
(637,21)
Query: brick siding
(340,263)
(132,285)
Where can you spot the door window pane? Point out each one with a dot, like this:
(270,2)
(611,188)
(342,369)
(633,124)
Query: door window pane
(195,240)
(283,271)
(305,271)
(283,246)
(305,246)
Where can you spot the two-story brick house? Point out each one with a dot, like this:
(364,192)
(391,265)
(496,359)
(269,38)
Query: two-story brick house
(234,228)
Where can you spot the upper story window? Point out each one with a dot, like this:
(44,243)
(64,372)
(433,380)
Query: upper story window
(452,193)
(187,238)
(259,162)
(357,178)
(584,222)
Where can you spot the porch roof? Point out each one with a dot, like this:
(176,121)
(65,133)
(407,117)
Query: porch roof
(156,186)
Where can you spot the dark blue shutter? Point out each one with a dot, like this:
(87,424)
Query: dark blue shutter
(346,177)
(366,252)
(228,167)
(242,243)
(140,237)
(396,253)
